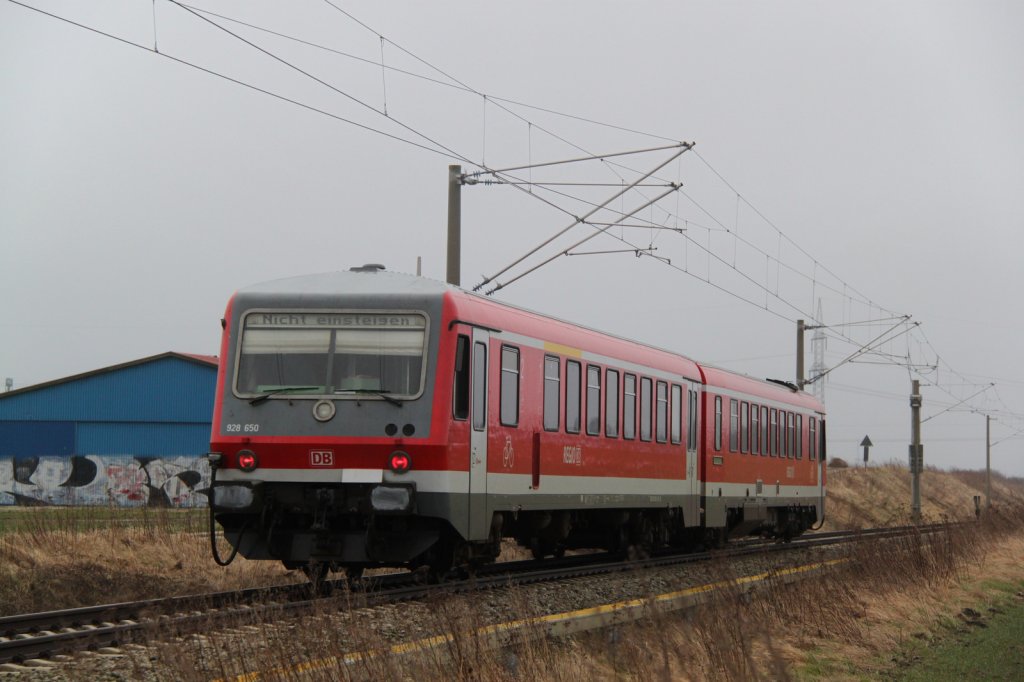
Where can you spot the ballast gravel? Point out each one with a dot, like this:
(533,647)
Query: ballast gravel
(344,627)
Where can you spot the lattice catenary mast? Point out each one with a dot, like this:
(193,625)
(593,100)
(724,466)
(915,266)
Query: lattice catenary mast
(818,350)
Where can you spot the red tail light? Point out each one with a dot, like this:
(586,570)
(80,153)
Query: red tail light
(399,462)
(247,460)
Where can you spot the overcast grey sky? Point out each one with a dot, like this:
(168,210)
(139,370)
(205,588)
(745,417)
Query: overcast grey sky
(884,140)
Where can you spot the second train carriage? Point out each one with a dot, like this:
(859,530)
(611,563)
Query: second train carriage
(369,418)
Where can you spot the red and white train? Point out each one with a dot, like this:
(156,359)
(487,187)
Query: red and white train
(369,418)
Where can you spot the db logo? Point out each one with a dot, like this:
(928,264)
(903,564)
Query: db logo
(321,458)
(508,454)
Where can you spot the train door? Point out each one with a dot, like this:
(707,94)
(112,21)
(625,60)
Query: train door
(691,516)
(691,441)
(479,522)
(821,466)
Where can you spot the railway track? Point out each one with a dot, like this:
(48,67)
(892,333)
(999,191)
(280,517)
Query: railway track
(48,634)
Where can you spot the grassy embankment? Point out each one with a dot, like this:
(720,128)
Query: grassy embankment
(62,557)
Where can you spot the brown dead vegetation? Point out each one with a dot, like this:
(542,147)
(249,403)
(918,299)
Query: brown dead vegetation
(52,563)
(880,496)
(839,626)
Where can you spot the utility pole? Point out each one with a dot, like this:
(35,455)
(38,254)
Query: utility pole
(818,369)
(988,464)
(800,354)
(454,224)
(916,452)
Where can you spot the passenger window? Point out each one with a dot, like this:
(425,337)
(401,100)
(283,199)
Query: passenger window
(677,414)
(791,430)
(611,404)
(629,407)
(661,412)
(479,386)
(718,422)
(645,408)
(734,425)
(593,400)
(799,436)
(744,426)
(509,386)
(572,396)
(812,439)
(755,430)
(460,389)
(552,396)
(775,433)
(765,440)
(782,442)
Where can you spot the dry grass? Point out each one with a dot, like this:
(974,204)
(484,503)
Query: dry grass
(70,558)
(880,496)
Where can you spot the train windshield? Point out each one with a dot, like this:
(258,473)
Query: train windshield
(315,354)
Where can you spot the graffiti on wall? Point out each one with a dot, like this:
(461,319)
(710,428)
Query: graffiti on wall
(122,480)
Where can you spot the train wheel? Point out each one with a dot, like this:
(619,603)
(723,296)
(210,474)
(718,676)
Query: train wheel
(354,575)
(436,562)
(316,572)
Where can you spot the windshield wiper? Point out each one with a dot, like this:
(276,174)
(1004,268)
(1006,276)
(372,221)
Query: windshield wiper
(386,395)
(277,391)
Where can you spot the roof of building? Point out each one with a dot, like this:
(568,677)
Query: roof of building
(210,360)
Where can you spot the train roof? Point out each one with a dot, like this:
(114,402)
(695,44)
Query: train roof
(717,377)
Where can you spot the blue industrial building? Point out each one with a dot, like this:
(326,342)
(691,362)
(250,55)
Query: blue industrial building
(133,434)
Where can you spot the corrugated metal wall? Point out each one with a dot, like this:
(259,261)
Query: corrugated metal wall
(168,389)
(158,408)
(119,438)
(23,438)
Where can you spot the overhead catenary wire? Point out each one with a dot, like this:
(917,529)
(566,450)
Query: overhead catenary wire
(356,100)
(601,231)
(462,85)
(957,404)
(589,157)
(250,86)
(683,147)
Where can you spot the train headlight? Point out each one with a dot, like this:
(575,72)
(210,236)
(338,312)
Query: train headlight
(323,410)
(233,497)
(399,462)
(247,460)
(391,498)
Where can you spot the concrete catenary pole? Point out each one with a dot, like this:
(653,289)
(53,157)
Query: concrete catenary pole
(454,224)
(988,463)
(916,452)
(800,354)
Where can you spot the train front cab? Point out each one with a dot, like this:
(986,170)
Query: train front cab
(333,449)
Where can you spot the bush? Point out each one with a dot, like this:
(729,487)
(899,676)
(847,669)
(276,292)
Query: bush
(837,463)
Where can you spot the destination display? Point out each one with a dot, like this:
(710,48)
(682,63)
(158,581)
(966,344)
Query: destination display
(335,320)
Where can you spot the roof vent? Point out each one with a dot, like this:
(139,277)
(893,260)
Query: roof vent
(369,267)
